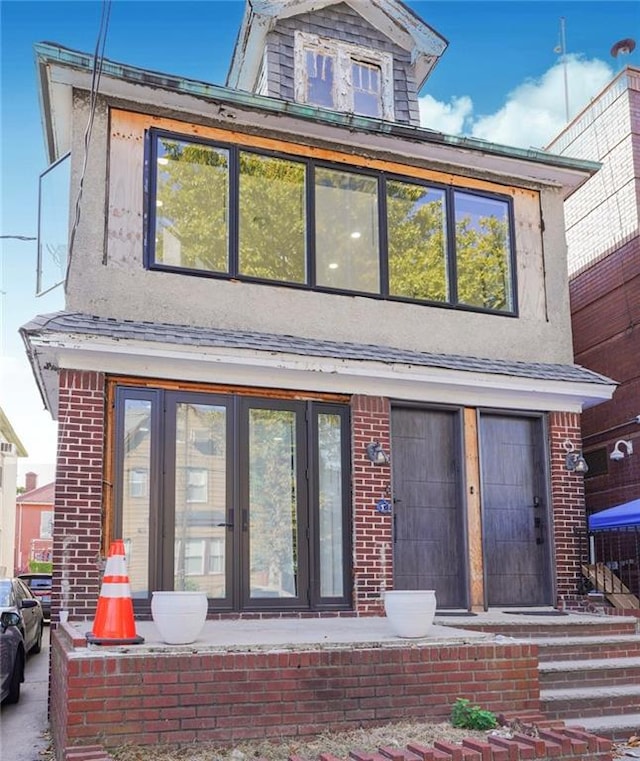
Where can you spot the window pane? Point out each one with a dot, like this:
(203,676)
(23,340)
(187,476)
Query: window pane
(135,506)
(53,225)
(347,247)
(417,242)
(330,505)
(319,79)
(272,218)
(200,497)
(367,91)
(483,252)
(192,205)
(273,531)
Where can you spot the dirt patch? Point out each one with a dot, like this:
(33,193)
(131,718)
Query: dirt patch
(337,743)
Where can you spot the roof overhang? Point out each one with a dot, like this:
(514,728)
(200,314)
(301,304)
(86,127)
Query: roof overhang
(392,18)
(50,352)
(61,71)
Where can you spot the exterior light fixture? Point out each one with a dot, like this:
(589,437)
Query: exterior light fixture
(376,453)
(617,454)
(574,461)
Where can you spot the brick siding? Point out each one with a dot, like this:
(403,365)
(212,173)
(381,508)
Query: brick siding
(78,501)
(567,498)
(605,307)
(230,696)
(372,531)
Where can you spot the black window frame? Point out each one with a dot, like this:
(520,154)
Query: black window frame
(163,402)
(153,135)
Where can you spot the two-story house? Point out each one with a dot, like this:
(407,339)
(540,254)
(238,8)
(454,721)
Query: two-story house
(311,349)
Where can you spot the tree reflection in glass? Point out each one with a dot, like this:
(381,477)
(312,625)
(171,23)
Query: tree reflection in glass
(273,531)
(192,205)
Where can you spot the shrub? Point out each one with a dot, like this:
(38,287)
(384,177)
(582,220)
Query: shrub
(466,716)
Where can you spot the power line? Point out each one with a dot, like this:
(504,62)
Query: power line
(16,237)
(98,61)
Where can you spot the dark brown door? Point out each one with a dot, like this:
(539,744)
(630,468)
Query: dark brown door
(514,516)
(428,526)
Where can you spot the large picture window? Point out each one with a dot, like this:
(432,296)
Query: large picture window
(258,518)
(227,211)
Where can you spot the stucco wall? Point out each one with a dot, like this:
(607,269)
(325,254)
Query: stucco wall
(107,276)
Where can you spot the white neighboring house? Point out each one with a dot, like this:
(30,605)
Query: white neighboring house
(10,449)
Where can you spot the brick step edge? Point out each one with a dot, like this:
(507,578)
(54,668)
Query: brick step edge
(86,753)
(533,737)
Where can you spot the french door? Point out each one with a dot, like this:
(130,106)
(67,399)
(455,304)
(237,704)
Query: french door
(245,498)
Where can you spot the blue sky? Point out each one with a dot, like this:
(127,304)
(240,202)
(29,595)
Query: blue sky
(500,79)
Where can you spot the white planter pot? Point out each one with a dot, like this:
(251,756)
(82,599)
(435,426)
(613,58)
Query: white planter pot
(179,616)
(410,611)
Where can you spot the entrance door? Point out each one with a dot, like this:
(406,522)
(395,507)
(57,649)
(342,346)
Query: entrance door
(515,524)
(244,498)
(428,511)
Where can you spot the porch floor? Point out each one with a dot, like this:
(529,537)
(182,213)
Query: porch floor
(306,633)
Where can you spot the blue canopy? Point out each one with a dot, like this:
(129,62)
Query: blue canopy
(620,516)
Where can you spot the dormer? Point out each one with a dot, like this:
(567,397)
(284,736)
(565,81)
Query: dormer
(366,57)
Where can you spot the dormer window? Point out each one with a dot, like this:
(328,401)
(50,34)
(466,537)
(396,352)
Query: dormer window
(343,77)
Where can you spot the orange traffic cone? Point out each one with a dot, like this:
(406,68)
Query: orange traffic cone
(114,624)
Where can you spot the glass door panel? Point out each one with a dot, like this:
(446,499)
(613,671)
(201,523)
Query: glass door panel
(273,498)
(330,514)
(200,499)
(135,487)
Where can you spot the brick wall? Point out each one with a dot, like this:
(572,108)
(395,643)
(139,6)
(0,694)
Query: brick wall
(174,696)
(78,500)
(605,306)
(567,498)
(372,531)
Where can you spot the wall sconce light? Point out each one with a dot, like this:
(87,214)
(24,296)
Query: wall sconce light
(376,453)
(574,461)
(617,454)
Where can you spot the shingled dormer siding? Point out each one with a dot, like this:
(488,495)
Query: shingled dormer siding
(337,22)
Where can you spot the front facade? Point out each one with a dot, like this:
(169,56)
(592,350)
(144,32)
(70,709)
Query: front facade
(603,233)
(311,351)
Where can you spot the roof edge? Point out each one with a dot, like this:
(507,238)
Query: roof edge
(52,53)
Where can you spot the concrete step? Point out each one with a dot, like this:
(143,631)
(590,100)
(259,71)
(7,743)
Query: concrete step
(585,702)
(569,626)
(582,648)
(618,728)
(594,672)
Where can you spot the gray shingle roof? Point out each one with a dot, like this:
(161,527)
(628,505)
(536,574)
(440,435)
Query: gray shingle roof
(74,323)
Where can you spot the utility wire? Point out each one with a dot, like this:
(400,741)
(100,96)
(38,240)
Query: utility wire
(16,237)
(98,61)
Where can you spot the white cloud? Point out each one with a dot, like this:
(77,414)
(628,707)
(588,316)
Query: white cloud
(445,117)
(533,113)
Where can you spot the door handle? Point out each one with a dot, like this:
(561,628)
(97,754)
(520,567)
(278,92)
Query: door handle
(230,523)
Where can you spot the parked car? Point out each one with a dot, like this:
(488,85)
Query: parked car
(40,586)
(16,597)
(12,656)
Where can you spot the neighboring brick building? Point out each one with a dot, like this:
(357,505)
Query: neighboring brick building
(10,449)
(603,237)
(294,280)
(34,524)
